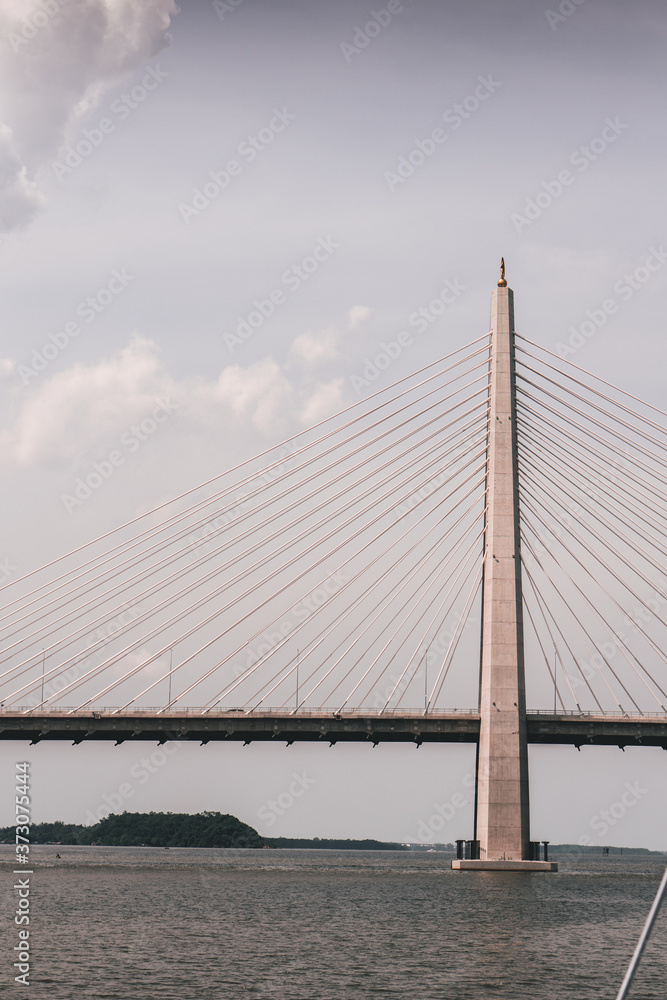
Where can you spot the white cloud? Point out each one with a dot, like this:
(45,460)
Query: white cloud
(315,346)
(7,367)
(327,398)
(19,196)
(63,414)
(87,407)
(356,316)
(54,68)
(260,392)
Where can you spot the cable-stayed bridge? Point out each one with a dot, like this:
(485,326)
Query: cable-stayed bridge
(337,586)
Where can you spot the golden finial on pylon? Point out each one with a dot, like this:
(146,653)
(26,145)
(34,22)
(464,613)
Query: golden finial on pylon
(501,280)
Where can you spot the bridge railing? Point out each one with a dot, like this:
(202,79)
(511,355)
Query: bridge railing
(282,712)
(595,715)
(157,711)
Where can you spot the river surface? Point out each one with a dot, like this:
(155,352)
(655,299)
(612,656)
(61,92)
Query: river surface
(185,924)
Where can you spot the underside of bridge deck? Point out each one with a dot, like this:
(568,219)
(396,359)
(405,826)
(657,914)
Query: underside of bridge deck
(577,730)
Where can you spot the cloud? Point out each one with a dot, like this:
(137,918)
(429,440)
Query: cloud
(313,347)
(7,367)
(57,60)
(19,197)
(318,347)
(87,407)
(356,316)
(62,415)
(327,398)
(260,392)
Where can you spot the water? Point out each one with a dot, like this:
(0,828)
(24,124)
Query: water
(183,924)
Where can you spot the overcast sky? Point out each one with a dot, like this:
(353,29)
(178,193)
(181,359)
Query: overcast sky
(163,170)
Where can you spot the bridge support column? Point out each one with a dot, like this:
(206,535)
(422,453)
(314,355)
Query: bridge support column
(502,815)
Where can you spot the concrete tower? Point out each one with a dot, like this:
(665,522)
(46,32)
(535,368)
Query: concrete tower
(502,768)
(502,815)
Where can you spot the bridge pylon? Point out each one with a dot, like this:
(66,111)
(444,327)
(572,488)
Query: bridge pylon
(502,821)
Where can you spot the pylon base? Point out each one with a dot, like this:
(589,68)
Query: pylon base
(504,866)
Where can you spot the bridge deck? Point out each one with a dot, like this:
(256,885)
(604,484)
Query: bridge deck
(333,727)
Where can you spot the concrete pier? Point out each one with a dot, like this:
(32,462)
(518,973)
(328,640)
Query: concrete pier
(505,866)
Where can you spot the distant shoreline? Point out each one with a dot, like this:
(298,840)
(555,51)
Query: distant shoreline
(217,830)
(322,844)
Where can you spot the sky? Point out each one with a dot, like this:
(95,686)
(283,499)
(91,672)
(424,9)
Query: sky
(164,170)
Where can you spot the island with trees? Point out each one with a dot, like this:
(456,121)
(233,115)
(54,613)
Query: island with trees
(157,829)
